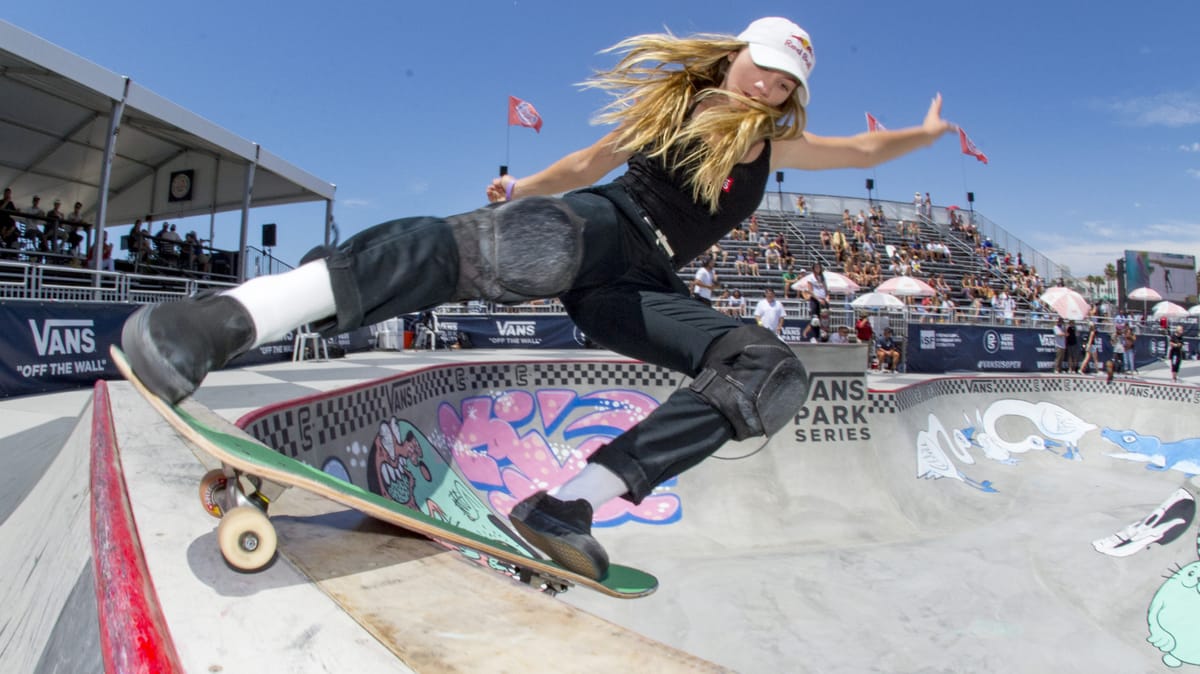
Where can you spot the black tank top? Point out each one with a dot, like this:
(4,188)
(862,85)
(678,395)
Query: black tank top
(664,193)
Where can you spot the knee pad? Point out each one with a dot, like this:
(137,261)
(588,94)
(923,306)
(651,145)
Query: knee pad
(527,249)
(754,379)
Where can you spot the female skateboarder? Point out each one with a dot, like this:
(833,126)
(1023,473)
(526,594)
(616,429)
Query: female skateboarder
(701,122)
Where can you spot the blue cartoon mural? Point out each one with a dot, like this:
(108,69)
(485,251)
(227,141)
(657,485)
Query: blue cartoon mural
(1181,455)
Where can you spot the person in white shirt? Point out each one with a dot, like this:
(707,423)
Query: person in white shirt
(704,282)
(769,313)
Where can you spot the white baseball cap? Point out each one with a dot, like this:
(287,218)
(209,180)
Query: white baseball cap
(779,44)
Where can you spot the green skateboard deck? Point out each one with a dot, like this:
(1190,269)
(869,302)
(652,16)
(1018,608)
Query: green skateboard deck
(247,538)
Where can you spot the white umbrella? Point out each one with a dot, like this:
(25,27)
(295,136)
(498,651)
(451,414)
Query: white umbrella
(1195,311)
(1169,309)
(877,301)
(835,283)
(906,286)
(1145,294)
(1066,303)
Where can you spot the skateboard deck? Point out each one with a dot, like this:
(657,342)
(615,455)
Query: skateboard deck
(247,539)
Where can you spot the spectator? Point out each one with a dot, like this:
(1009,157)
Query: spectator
(752,263)
(704,282)
(1130,341)
(862,329)
(106,255)
(1060,344)
(193,250)
(1072,341)
(55,232)
(887,351)
(75,222)
(33,225)
(841,335)
(1175,352)
(769,313)
(801,205)
(1007,307)
(771,256)
(736,305)
(812,331)
(740,266)
(789,277)
(138,247)
(9,233)
(716,251)
(1091,348)
(816,291)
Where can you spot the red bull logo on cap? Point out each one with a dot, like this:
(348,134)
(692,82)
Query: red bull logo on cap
(803,48)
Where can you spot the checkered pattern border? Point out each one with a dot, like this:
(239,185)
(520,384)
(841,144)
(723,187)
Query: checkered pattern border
(881,402)
(328,420)
(1135,390)
(628,375)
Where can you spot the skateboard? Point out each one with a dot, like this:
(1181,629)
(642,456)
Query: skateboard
(237,494)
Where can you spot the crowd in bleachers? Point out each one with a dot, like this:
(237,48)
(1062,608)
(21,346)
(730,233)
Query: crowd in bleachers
(32,234)
(973,279)
(34,229)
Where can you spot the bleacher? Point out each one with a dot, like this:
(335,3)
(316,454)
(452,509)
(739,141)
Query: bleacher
(803,234)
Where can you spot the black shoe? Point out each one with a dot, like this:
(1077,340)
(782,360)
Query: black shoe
(173,345)
(562,530)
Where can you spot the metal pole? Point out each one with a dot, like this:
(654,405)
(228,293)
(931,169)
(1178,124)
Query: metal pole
(329,222)
(110,150)
(246,199)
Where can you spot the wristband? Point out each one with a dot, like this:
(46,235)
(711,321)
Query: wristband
(508,190)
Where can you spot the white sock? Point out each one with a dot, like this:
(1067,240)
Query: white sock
(595,484)
(282,302)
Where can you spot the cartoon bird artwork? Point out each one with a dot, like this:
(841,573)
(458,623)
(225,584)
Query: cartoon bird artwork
(1053,423)
(933,462)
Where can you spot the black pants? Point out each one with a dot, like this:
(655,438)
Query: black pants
(626,297)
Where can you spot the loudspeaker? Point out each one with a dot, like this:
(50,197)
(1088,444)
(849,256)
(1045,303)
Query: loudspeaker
(268,239)
(870,184)
(503,170)
(970,197)
(779,176)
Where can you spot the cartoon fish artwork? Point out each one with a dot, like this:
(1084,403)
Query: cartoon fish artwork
(1180,455)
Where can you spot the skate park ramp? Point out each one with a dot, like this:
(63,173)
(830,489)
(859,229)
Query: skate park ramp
(983,524)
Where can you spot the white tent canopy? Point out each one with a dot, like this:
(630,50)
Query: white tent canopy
(56,123)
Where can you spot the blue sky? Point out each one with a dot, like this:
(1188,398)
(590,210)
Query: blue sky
(1089,112)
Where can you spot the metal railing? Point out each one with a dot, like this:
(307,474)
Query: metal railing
(26,281)
(894,210)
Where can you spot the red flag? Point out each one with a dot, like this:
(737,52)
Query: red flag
(969,148)
(873,124)
(522,113)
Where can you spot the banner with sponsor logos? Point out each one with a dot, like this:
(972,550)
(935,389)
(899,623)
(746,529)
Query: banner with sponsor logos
(936,349)
(55,346)
(514,332)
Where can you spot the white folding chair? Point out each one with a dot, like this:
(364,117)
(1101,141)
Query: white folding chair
(304,337)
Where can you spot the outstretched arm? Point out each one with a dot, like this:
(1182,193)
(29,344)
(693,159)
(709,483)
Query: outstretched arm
(864,150)
(578,169)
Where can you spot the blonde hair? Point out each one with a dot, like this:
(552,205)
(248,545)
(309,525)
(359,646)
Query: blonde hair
(656,86)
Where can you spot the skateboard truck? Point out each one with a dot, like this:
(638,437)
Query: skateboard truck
(546,583)
(246,537)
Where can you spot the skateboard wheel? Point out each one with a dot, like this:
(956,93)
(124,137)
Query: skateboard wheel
(212,487)
(247,538)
